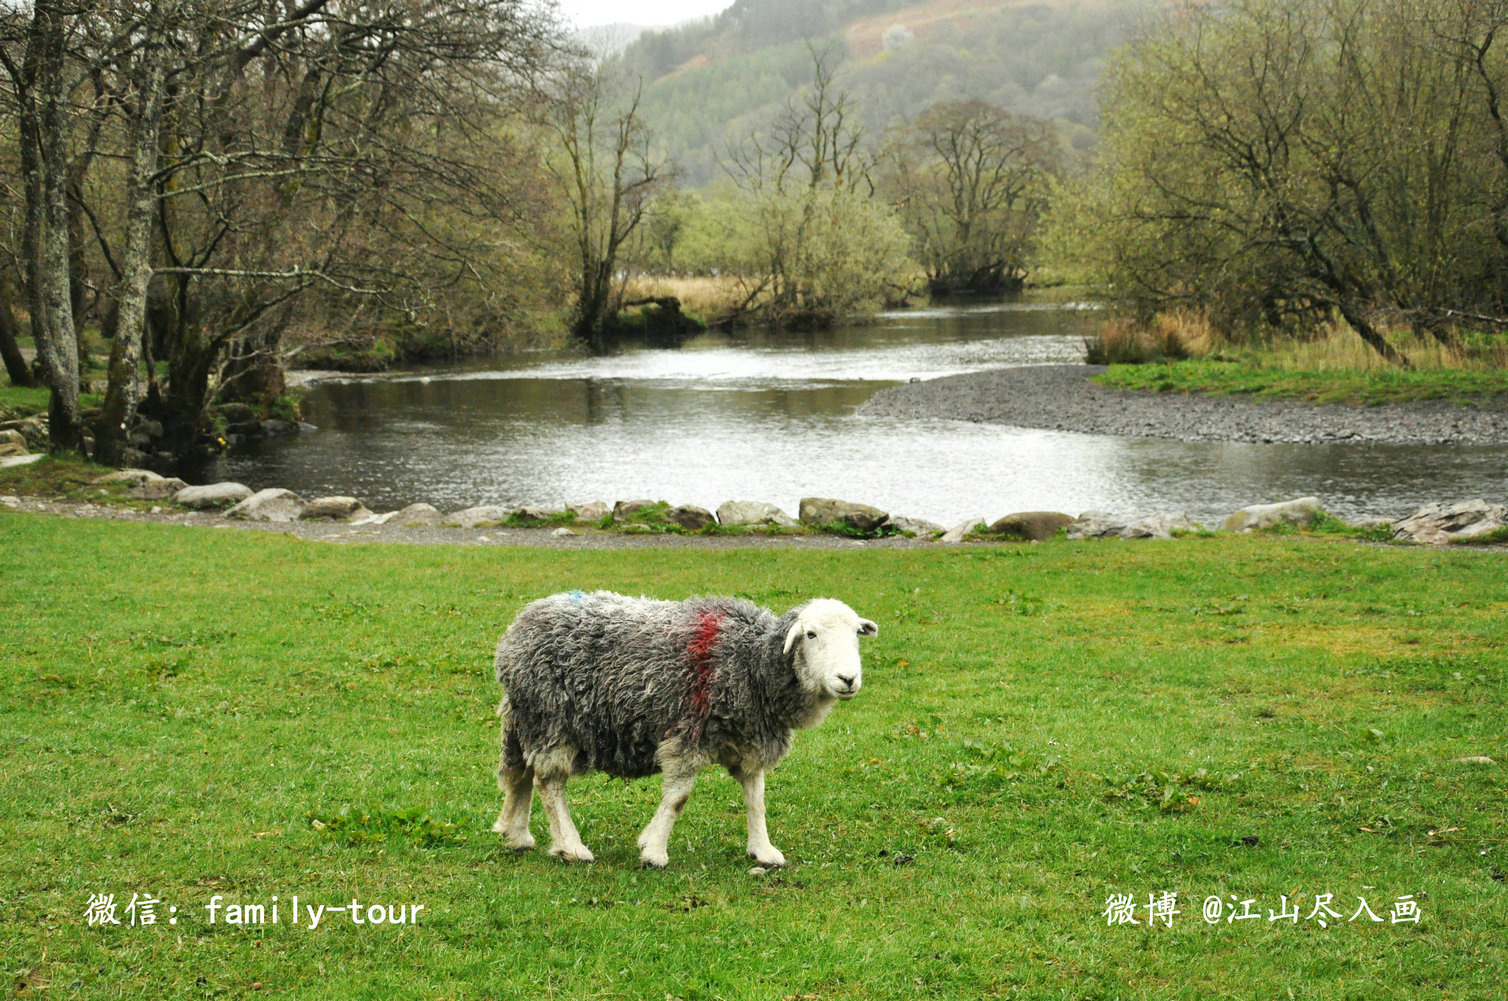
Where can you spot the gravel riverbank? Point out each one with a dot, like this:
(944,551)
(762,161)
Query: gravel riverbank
(1061,398)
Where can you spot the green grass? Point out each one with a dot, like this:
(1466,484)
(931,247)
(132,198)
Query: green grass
(190,712)
(1369,386)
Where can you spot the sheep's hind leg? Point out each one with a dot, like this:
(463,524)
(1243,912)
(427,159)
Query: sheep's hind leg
(518,796)
(764,853)
(564,841)
(654,843)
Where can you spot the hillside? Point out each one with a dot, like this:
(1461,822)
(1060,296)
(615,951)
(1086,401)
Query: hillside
(715,81)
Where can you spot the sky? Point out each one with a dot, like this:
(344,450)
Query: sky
(586,13)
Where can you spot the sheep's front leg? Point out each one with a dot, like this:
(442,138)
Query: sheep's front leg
(764,853)
(654,843)
(564,841)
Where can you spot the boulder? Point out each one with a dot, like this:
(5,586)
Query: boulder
(1034,526)
(162,488)
(19,460)
(485,514)
(820,512)
(1157,525)
(417,514)
(690,517)
(562,532)
(272,504)
(958,531)
(1259,516)
(130,477)
(753,513)
(1436,524)
(13,443)
(212,495)
(920,527)
(9,501)
(623,510)
(592,510)
(335,508)
(362,516)
(536,513)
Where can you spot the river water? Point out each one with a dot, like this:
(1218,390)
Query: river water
(770,416)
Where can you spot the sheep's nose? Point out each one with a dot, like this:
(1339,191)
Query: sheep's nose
(847,679)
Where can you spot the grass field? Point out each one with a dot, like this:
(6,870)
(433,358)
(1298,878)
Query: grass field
(189,713)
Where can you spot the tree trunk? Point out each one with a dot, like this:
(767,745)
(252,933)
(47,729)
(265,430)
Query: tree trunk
(1369,334)
(44,145)
(10,350)
(111,434)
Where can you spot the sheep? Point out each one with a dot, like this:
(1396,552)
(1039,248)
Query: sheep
(633,686)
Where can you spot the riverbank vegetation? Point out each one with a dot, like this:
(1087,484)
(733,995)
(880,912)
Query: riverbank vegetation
(1043,729)
(1183,352)
(1276,167)
(216,191)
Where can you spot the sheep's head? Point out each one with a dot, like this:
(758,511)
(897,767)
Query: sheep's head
(825,637)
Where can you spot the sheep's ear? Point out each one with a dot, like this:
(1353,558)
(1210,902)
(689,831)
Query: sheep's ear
(867,628)
(792,636)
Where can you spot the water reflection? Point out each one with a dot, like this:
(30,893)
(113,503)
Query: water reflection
(764,416)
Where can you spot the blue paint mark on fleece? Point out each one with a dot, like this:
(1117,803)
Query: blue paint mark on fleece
(576,595)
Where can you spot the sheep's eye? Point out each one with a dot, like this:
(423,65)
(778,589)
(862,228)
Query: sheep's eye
(811,634)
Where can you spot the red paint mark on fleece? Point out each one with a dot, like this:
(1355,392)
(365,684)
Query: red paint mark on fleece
(707,627)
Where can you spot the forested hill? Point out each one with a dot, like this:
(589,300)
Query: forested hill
(715,81)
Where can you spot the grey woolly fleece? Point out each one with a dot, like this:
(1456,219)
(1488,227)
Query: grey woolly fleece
(612,677)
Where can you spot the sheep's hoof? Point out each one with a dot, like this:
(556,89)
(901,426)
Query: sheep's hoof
(519,842)
(649,861)
(575,853)
(772,860)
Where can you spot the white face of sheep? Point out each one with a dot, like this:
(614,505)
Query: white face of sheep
(826,638)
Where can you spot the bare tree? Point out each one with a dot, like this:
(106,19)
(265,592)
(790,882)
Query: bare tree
(609,175)
(970,180)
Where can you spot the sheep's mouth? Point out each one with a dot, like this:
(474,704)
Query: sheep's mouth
(844,694)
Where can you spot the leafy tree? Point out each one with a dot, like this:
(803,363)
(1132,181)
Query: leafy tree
(817,245)
(1274,162)
(257,155)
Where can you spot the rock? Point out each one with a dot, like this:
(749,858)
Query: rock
(158,489)
(417,514)
(536,513)
(1260,516)
(623,510)
(820,512)
(958,531)
(1476,759)
(1158,525)
(13,443)
(272,504)
(275,426)
(130,477)
(919,527)
(212,495)
(637,530)
(18,460)
(591,511)
(1035,526)
(1437,524)
(147,426)
(363,516)
(331,508)
(691,517)
(485,514)
(563,532)
(753,513)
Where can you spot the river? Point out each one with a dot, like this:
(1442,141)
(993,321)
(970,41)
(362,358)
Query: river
(770,416)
